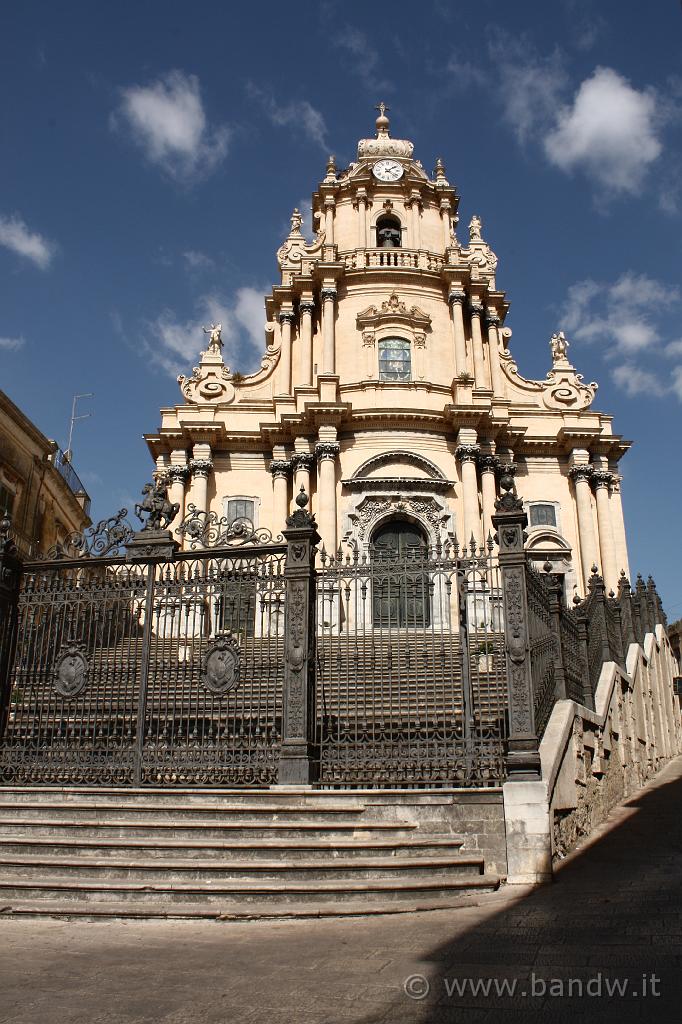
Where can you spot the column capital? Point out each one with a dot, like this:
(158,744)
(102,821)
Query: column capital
(280,467)
(456,296)
(307,306)
(492,319)
(287,317)
(475,307)
(489,463)
(327,450)
(467,452)
(200,467)
(601,478)
(327,294)
(178,473)
(581,472)
(302,460)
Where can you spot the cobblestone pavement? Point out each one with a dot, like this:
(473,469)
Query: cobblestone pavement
(614,915)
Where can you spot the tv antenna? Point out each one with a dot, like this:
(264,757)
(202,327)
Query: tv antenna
(75,418)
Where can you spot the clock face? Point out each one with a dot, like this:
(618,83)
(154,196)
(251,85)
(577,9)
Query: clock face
(387,170)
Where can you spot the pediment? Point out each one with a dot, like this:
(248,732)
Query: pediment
(393,311)
(399,469)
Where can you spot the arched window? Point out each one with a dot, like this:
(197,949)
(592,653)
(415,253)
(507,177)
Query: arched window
(389,235)
(395,359)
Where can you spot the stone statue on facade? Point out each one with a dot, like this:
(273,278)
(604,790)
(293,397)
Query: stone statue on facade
(475,229)
(215,341)
(559,348)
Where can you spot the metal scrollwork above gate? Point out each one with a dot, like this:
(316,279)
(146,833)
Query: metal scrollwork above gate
(220,666)
(71,671)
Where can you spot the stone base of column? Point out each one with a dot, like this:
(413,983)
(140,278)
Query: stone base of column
(297,764)
(529,842)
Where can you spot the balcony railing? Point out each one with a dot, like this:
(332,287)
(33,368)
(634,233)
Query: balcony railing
(69,474)
(400,259)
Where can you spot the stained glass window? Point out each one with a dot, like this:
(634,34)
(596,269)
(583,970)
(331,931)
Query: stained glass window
(395,361)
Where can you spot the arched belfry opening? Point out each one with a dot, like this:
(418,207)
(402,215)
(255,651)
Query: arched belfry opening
(400,581)
(389,232)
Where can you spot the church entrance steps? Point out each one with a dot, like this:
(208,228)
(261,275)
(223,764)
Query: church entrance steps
(265,850)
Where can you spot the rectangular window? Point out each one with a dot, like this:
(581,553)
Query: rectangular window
(6,499)
(240,508)
(394,359)
(542,515)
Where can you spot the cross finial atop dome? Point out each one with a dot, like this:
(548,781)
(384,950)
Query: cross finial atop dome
(382,121)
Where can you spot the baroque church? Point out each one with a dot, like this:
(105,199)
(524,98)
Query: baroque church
(389,391)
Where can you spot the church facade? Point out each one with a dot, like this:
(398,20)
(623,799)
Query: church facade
(388,390)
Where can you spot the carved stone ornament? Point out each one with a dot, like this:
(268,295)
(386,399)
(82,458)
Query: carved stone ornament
(280,467)
(211,380)
(562,389)
(71,671)
(374,507)
(327,450)
(220,666)
(467,452)
(295,248)
(394,311)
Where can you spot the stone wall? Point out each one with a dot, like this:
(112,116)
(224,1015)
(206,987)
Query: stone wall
(593,760)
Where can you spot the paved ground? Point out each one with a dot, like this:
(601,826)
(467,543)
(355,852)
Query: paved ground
(613,915)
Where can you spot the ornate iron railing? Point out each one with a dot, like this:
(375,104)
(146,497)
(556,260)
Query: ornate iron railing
(543,647)
(411,669)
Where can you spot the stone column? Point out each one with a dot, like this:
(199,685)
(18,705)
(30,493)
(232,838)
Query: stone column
(476,310)
(328,296)
(489,465)
(200,466)
(445,221)
(178,474)
(496,375)
(302,462)
(618,524)
(280,469)
(467,453)
(327,452)
(361,206)
(306,309)
(456,300)
(414,203)
(286,319)
(580,473)
(601,480)
(329,207)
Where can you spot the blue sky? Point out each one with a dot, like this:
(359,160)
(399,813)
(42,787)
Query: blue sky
(152,153)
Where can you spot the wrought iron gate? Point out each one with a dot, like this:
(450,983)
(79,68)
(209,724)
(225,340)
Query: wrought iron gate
(164,671)
(411,675)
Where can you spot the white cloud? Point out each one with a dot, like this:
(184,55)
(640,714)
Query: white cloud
(197,260)
(299,114)
(16,236)
(529,86)
(628,319)
(633,380)
(610,132)
(366,60)
(11,344)
(174,344)
(167,120)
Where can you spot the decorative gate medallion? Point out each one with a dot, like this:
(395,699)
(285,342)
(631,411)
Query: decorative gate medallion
(220,666)
(71,671)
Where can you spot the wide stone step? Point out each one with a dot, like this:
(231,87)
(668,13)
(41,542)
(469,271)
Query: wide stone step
(178,871)
(176,812)
(45,825)
(248,851)
(227,910)
(413,887)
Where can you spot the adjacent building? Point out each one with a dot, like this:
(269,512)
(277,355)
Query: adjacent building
(39,488)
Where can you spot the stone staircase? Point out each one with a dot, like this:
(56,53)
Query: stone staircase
(225,854)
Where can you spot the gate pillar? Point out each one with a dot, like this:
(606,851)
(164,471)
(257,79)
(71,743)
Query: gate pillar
(10,570)
(523,757)
(297,763)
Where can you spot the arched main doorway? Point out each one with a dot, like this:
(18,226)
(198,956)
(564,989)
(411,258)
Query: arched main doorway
(400,580)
